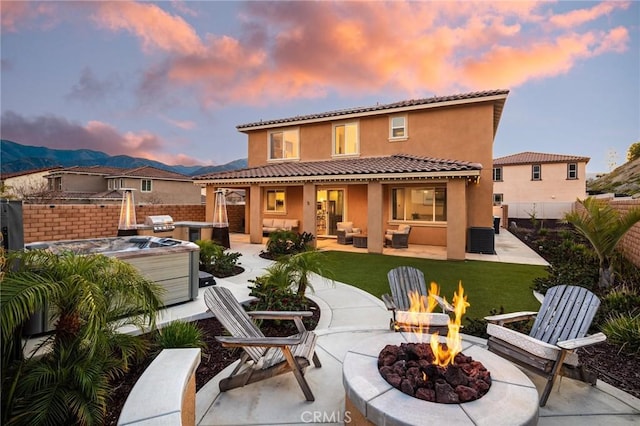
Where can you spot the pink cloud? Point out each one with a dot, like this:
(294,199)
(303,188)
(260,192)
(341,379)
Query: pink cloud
(16,14)
(578,17)
(155,28)
(291,50)
(59,133)
(511,66)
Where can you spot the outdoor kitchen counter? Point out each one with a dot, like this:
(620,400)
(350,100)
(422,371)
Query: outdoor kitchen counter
(512,398)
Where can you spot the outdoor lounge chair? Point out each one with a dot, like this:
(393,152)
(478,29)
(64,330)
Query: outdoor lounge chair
(263,357)
(398,238)
(560,327)
(345,232)
(402,281)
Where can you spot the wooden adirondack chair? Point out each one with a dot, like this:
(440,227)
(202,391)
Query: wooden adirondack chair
(402,281)
(559,329)
(263,357)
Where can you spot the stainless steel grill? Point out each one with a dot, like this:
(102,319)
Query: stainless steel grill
(160,223)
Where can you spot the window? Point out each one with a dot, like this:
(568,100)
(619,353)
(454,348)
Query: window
(497,174)
(398,127)
(145,185)
(536,172)
(427,204)
(55,184)
(284,145)
(497,199)
(345,139)
(572,171)
(275,200)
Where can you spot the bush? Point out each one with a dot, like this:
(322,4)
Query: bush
(624,330)
(216,260)
(179,334)
(286,243)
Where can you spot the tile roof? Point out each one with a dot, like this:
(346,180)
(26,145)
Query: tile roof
(28,172)
(394,166)
(378,109)
(150,172)
(537,158)
(114,172)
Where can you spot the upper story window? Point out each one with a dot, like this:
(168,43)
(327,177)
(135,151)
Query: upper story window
(145,185)
(284,145)
(275,201)
(398,127)
(497,174)
(498,199)
(427,204)
(345,139)
(572,171)
(55,184)
(536,172)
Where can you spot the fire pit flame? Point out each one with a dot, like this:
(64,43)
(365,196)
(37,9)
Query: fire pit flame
(446,355)
(435,372)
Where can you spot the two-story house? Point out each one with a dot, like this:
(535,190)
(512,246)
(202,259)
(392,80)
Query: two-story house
(425,163)
(100,184)
(540,185)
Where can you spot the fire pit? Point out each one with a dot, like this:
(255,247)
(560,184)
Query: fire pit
(435,372)
(371,400)
(419,381)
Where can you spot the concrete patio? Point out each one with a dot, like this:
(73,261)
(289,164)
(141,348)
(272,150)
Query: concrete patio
(349,316)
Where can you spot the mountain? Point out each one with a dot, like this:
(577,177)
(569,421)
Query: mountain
(624,180)
(15,157)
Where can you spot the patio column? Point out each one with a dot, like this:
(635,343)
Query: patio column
(255,222)
(456,219)
(309,210)
(375,232)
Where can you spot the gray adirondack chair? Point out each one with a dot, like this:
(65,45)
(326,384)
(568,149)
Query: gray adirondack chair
(560,327)
(402,281)
(263,357)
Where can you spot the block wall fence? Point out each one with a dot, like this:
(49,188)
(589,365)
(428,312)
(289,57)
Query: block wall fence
(81,221)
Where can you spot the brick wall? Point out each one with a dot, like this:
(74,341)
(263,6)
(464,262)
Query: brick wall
(235,215)
(81,221)
(631,241)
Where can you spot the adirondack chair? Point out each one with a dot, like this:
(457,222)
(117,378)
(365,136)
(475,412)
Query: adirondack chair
(560,327)
(262,357)
(403,280)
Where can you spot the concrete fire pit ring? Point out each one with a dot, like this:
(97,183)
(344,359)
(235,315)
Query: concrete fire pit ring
(370,399)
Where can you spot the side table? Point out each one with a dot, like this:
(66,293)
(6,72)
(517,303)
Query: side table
(360,240)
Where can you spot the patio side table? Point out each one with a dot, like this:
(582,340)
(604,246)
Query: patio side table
(360,240)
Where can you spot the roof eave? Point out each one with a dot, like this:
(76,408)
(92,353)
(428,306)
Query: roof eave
(501,98)
(342,178)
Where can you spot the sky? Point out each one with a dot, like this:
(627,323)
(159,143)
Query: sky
(171,80)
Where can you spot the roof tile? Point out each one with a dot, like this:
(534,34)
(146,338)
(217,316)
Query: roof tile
(537,158)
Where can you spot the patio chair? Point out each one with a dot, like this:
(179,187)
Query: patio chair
(402,281)
(398,238)
(263,357)
(559,329)
(345,232)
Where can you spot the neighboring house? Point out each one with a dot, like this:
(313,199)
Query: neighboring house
(99,185)
(26,184)
(425,162)
(535,184)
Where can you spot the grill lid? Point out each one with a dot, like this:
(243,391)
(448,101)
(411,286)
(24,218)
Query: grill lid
(160,222)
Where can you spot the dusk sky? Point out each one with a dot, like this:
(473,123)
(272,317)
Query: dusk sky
(170,81)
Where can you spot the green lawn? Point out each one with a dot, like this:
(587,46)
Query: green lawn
(488,285)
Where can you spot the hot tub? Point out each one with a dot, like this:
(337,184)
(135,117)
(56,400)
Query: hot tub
(173,264)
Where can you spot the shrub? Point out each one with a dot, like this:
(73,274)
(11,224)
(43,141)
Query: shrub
(287,243)
(624,330)
(179,334)
(216,260)
(622,300)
